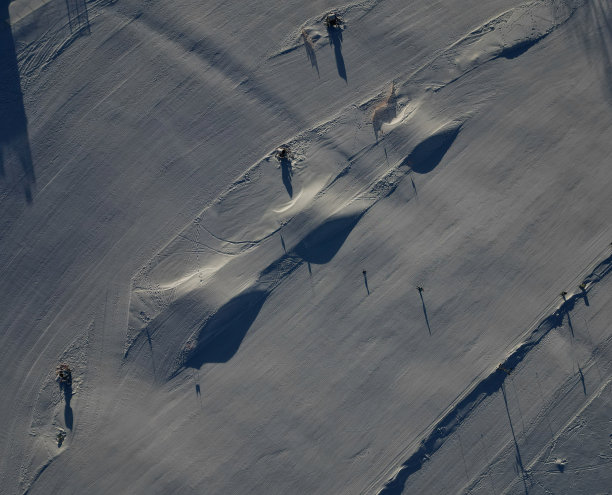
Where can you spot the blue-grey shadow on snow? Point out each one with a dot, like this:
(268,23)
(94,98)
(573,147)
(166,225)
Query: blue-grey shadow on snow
(66,388)
(287,174)
(14,139)
(310,51)
(221,335)
(335,39)
(222,332)
(78,17)
(429,153)
(322,244)
(518,49)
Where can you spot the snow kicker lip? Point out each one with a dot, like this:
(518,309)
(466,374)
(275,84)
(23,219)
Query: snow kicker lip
(490,384)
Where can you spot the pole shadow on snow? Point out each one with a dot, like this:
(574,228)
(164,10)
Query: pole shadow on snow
(584,390)
(425,311)
(335,39)
(519,460)
(14,139)
(365,281)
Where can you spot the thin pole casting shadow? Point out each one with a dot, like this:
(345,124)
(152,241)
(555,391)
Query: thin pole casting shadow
(365,280)
(420,289)
(519,459)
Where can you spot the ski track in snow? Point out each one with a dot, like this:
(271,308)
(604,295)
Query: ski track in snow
(508,35)
(505,36)
(419,141)
(481,389)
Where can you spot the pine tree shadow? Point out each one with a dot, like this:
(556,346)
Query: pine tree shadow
(14,140)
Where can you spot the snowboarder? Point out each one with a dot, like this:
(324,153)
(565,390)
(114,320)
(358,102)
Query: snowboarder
(64,373)
(333,20)
(282,153)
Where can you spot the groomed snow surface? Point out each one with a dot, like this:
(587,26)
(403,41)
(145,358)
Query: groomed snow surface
(241,322)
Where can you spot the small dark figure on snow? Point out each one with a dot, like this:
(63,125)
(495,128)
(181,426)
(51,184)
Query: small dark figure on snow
(64,374)
(333,20)
(419,288)
(61,435)
(282,153)
(563,294)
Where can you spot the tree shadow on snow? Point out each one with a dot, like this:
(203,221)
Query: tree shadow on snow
(595,32)
(14,139)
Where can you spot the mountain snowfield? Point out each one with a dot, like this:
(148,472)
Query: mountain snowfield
(241,322)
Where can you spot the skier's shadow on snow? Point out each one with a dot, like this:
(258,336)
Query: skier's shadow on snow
(287,173)
(14,139)
(335,39)
(66,388)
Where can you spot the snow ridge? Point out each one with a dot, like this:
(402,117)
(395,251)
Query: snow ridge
(490,384)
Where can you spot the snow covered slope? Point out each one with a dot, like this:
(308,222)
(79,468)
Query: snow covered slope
(238,323)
